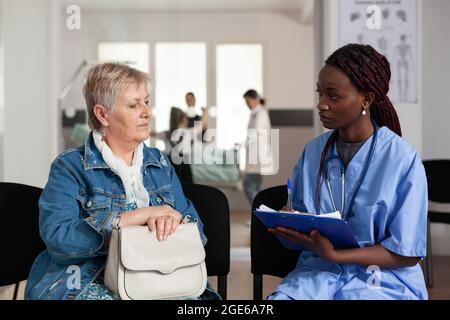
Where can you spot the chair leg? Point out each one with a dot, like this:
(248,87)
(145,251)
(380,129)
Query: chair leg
(16,290)
(257,286)
(428,260)
(222,286)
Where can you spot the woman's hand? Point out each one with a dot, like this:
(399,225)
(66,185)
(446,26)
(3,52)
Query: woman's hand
(314,242)
(162,219)
(164,226)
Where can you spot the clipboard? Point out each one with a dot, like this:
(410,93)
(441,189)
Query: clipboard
(336,230)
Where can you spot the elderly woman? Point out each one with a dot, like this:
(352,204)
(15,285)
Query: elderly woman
(114,173)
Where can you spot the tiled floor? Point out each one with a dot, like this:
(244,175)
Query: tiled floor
(240,229)
(240,280)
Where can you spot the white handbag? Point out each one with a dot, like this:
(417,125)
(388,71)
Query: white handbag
(139,267)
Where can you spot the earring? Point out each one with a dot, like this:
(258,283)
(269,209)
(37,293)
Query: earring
(103,133)
(364,112)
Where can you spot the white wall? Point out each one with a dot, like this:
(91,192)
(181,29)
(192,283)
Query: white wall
(2,128)
(436,104)
(436,82)
(30,104)
(288,51)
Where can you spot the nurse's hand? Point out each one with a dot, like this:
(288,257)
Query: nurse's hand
(314,242)
(286,208)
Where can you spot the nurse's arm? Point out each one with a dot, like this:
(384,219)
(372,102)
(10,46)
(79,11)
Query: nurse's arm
(367,256)
(374,255)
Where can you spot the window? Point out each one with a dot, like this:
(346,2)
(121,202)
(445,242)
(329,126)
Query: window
(135,54)
(239,68)
(180,68)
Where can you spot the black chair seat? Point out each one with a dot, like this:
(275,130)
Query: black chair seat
(438,181)
(21,242)
(19,237)
(268,256)
(213,209)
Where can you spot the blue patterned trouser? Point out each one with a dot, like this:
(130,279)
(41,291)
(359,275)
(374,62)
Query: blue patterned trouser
(96,290)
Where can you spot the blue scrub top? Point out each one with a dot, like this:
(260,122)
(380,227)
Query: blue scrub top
(390,209)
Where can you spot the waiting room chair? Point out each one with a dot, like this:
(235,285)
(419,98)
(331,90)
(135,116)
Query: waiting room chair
(438,179)
(19,238)
(213,209)
(268,256)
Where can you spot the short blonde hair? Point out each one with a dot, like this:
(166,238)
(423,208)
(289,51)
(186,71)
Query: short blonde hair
(107,81)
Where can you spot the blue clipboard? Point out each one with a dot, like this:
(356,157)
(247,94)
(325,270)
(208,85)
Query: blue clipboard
(336,230)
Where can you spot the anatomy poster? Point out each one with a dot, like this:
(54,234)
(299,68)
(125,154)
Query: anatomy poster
(390,26)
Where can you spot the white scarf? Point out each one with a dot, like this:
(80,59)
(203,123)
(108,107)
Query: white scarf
(131,176)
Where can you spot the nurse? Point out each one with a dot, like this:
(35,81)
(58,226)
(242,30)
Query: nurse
(364,169)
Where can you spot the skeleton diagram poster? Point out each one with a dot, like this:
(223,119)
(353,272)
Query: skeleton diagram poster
(390,26)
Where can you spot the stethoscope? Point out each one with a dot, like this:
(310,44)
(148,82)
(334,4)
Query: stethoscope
(333,157)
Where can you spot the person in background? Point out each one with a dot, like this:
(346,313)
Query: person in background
(179,120)
(191,112)
(257,144)
(193,116)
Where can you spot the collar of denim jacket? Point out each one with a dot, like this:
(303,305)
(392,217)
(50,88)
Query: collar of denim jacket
(93,158)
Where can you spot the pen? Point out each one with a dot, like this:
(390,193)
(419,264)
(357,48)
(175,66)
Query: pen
(289,200)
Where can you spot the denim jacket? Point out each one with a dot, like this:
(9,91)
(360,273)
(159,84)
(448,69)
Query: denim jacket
(77,207)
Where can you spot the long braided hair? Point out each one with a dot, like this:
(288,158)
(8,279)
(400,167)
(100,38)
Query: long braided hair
(369,71)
